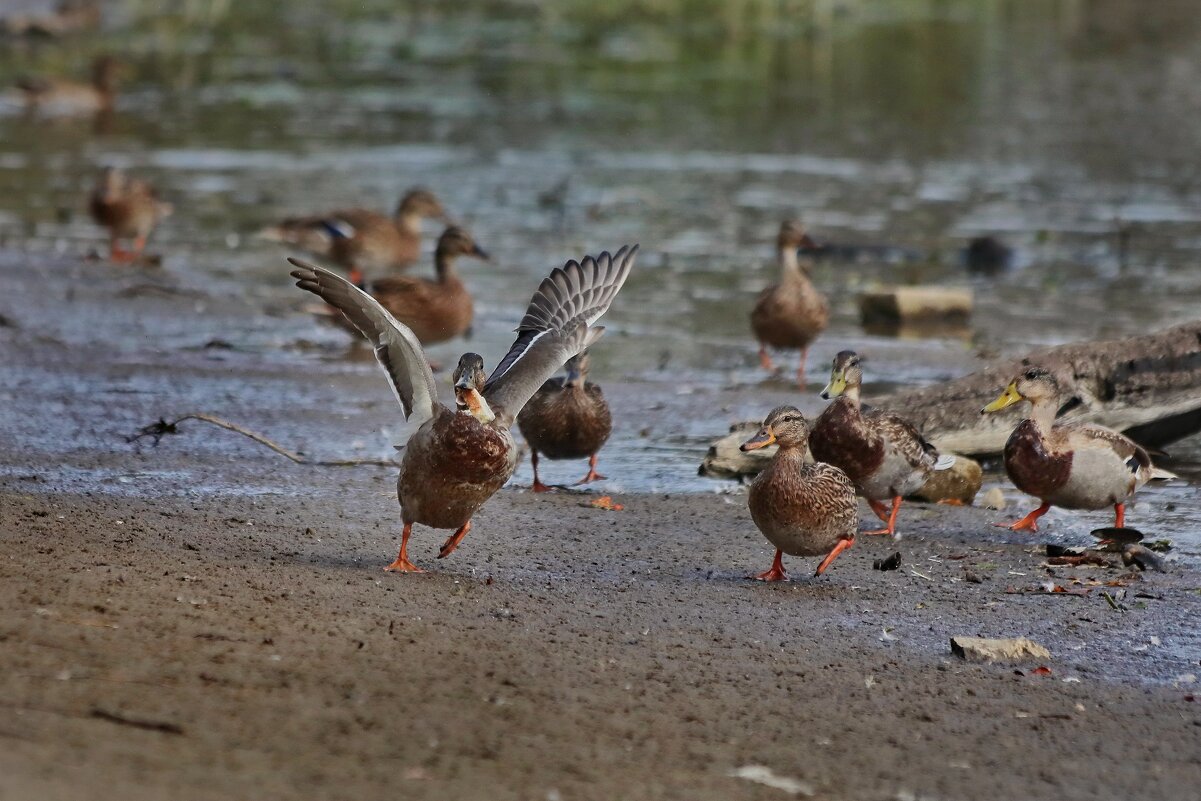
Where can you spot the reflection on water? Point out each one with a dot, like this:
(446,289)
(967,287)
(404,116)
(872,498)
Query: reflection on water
(692,127)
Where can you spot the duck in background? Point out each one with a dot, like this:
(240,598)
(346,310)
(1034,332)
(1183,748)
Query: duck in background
(1072,465)
(792,313)
(57,97)
(568,418)
(456,459)
(360,239)
(129,208)
(882,453)
(804,508)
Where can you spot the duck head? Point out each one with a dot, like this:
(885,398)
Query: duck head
(577,370)
(469,378)
(456,241)
(845,374)
(418,203)
(793,235)
(1035,384)
(784,426)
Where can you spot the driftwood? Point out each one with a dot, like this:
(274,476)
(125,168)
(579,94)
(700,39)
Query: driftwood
(1147,386)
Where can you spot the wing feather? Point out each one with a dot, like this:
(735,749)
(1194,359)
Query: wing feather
(396,347)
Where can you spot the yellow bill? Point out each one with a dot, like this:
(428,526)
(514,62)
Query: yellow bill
(837,385)
(1009,397)
(762,439)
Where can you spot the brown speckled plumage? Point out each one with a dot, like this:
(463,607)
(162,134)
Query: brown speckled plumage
(792,313)
(127,207)
(456,459)
(566,420)
(54,96)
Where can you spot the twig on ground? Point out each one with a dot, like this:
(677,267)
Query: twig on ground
(162,428)
(148,725)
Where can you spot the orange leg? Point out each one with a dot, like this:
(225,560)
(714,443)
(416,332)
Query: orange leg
(1030,521)
(765,359)
(592,474)
(355,276)
(800,370)
(833,554)
(538,486)
(402,563)
(453,541)
(139,244)
(890,518)
(117,253)
(1119,515)
(776,573)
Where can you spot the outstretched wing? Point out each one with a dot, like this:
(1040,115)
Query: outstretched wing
(397,349)
(557,325)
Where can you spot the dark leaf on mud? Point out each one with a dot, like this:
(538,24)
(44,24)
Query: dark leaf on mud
(891,563)
(1054,550)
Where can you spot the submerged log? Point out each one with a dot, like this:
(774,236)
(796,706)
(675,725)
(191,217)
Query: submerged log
(1147,386)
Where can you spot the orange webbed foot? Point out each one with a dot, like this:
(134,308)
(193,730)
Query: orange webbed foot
(538,486)
(453,541)
(403,566)
(1027,523)
(775,573)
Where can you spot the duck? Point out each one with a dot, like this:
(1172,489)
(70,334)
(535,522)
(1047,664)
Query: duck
(804,508)
(568,418)
(455,459)
(884,455)
(437,309)
(1072,465)
(129,208)
(59,97)
(792,313)
(360,239)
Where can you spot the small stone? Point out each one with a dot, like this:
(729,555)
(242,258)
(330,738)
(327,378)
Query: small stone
(983,649)
(993,499)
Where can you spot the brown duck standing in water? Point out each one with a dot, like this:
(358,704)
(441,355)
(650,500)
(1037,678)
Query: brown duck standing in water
(439,309)
(456,459)
(792,313)
(56,97)
(568,418)
(1072,465)
(883,454)
(804,509)
(129,208)
(361,239)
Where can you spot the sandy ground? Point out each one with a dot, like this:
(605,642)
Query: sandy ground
(207,620)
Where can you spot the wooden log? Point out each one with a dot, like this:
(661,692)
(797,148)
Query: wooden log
(1147,386)
(914,303)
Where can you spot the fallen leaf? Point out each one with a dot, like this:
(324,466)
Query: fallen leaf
(761,774)
(606,502)
(1041,670)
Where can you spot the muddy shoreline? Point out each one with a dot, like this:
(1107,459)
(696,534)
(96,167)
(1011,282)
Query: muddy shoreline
(204,619)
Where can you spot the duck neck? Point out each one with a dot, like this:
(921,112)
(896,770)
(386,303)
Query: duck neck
(793,451)
(409,222)
(791,266)
(1043,415)
(851,393)
(444,266)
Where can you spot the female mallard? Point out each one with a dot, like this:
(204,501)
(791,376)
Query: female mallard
(439,309)
(360,239)
(567,419)
(129,209)
(456,459)
(883,454)
(792,313)
(60,97)
(804,509)
(1073,465)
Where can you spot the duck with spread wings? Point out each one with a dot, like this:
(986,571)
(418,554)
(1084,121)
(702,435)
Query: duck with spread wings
(456,459)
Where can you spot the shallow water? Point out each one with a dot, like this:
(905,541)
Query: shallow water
(1061,127)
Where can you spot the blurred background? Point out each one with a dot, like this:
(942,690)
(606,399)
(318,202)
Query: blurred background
(898,130)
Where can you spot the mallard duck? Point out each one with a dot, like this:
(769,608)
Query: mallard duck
(66,17)
(60,97)
(361,239)
(792,313)
(568,418)
(803,508)
(129,208)
(1072,465)
(883,453)
(439,309)
(456,459)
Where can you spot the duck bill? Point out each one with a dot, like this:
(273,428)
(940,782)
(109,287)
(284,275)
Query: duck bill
(807,243)
(762,439)
(480,253)
(575,378)
(1009,397)
(837,385)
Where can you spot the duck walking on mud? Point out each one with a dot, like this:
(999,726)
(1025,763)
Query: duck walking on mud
(792,313)
(360,239)
(129,208)
(804,509)
(568,418)
(1072,465)
(882,453)
(456,459)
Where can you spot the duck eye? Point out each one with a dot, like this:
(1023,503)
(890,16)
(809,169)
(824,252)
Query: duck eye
(1031,375)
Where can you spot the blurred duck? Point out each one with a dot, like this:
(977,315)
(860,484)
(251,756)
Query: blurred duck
(56,97)
(434,309)
(883,454)
(456,459)
(66,17)
(568,418)
(1072,465)
(792,313)
(360,239)
(802,507)
(129,209)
